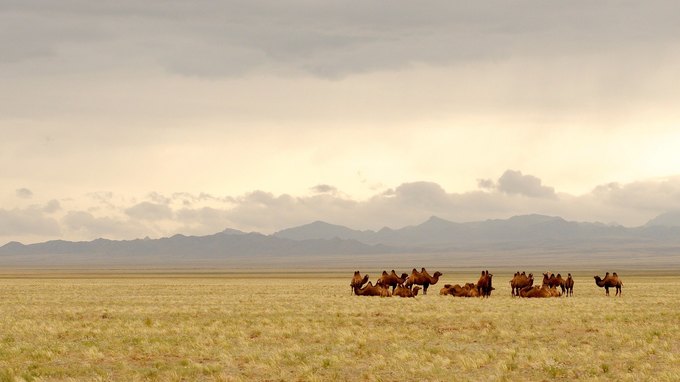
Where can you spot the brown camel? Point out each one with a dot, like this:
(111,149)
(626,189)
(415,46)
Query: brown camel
(554,292)
(422,278)
(484,285)
(535,292)
(357,280)
(392,279)
(612,281)
(568,286)
(447,290)
(551,280)
(403,291)
(467,290)
(372,290)
(519,281)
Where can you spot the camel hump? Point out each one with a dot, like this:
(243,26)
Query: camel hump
(384,273)
(615,274)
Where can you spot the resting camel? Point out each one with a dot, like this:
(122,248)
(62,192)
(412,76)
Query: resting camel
(371,290)
(422,278)
(519,281)
(484,286)
(467,290)
(403,291)
(612,281)
(568,286)
(535,292)
(392,279)
(447,290)
(357,280)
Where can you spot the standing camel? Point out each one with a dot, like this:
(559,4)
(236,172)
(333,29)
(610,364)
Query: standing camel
(484,286)
(519,281)
(612,281)
(568,286)
(422,278)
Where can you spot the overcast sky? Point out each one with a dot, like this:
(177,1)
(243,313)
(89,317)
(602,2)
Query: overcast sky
(126,119)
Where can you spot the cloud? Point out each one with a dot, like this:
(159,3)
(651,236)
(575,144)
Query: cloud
(85,225)
(27,222)
(630,204)
(24,193)
(327,39)
(324,189)
(514,182)
(149,211)
(52,206)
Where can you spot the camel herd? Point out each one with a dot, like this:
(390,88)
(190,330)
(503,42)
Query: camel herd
(521,285)
(402,286)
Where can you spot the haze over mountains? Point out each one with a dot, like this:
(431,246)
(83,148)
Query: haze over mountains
(320,242)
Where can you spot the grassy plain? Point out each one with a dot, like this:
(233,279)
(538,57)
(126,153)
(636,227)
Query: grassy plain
(308,327)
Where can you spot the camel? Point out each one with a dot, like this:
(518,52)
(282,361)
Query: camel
(467,290)
(484,286)
(551,280)
(519,281)
(612,281)
(568,286)
(392,279)
(422,278)
(554,292)
(357,280)
(403,291)
(447,290)
(535,292)
(371,290)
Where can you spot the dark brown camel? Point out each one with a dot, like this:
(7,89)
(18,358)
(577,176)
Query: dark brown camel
(391,279)
(550,280)
(422,278)
(568,286)
(519,281)
(612,281)
(403,291)
(484,285)
(357,280)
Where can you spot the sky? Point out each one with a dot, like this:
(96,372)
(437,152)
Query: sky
(131,119)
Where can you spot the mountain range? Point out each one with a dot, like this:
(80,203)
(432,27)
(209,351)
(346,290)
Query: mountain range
(320,240)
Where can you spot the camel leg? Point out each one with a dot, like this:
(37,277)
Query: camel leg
(606,289)
(425,288)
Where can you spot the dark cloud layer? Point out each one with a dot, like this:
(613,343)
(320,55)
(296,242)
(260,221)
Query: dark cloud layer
(329,38)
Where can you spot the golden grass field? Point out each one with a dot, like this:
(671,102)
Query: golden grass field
(282,327)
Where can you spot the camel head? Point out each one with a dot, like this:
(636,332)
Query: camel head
(415,290)
(437,274)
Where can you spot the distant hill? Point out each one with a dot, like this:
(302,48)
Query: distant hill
(320,241)
(668,219)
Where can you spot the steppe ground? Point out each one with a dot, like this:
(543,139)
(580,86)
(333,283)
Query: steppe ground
(307,326)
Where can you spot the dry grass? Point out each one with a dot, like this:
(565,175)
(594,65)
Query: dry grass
(312,329)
